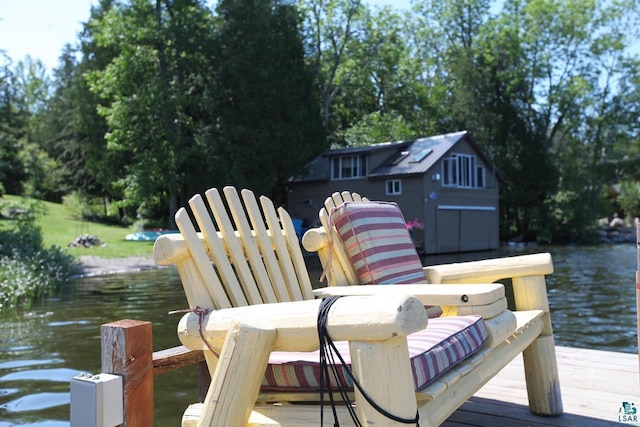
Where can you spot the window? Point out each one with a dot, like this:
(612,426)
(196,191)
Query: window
(480,179)
(394,187)
(461,170)
(348,167)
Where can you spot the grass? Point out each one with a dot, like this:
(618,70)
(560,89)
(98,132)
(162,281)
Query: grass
(59,227)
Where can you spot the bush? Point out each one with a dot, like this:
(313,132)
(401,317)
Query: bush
(28,270)
(92,209)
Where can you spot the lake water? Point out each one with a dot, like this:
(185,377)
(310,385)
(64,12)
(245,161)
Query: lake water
(591,293)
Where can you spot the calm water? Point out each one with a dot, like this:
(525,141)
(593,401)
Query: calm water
(591,295)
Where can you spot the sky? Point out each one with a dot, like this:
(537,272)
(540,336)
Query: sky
(40,28)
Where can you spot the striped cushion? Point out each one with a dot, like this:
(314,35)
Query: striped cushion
(375,237)
(445,342)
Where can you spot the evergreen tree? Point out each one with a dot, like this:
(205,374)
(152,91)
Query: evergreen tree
(12,130)
(269,122)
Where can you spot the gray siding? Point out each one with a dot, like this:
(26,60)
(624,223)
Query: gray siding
(456,219)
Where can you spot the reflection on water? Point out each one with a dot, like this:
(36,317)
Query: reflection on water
(591,295)
(43,348)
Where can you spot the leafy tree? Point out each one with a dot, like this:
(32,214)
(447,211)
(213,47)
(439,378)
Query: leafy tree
(536,86)
(28,98)
(379,102)
(331,31)
(150,91)
(375,128)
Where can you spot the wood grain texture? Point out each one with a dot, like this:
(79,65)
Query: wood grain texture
(127,348)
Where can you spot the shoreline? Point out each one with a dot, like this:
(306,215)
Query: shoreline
(92,266)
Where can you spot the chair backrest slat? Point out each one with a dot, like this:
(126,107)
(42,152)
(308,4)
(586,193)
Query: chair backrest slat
(207,291)
(289,282)
(243,252)
(356,197)
(293,245)
(217,252)
(345,196)
(272,279)
(234,250)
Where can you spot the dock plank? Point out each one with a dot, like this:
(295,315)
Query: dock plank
(594,386)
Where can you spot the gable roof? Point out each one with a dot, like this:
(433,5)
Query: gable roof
(419,156)
(410,157)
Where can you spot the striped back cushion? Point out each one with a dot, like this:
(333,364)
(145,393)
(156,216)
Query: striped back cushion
(376,239)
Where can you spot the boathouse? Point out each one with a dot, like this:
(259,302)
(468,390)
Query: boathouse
(444,184)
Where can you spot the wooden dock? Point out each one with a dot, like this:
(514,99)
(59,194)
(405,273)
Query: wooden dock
(594,385)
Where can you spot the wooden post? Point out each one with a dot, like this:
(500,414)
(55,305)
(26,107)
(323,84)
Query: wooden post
(638,289)
(540,363)
(127,351)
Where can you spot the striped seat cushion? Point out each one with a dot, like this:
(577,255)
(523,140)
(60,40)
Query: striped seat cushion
(376,239)
(445,342)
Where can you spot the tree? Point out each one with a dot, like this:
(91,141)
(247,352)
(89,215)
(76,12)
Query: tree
(69,111)
(92,169)
(581,56)
(536,84)
(331,30)
(380,102)
(12,129)
(375,128)
(151,91)
(33,91)
(268,121)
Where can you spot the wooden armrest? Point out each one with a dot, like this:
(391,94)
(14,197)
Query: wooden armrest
(487,271)
(362,318)
(168,249)
(315,239)
(459,295)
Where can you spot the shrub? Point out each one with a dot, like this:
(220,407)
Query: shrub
(92,209)
(28,270)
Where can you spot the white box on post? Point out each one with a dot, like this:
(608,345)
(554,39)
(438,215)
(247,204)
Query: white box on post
(96,400)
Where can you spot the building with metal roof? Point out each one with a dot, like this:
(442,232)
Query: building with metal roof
(444,182)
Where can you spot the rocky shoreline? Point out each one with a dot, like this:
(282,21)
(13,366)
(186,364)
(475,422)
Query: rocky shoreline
(91,266)
(614,235)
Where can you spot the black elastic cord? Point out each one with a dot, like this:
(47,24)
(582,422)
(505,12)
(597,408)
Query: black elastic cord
(327,364)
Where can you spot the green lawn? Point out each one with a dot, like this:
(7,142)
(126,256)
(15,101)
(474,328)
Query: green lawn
(59,227)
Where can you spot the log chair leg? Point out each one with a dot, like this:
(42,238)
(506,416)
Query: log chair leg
(238,375)
(384,371)
(540,363)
